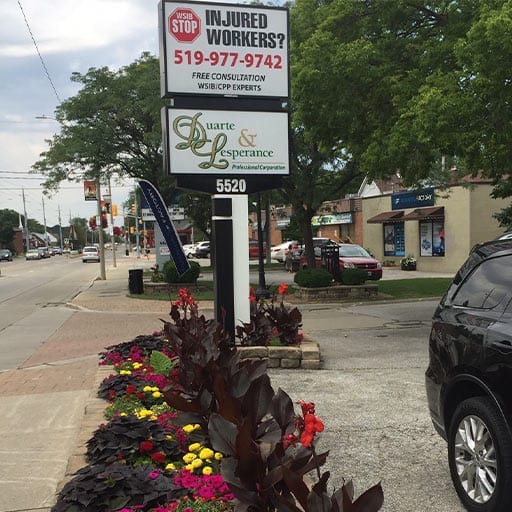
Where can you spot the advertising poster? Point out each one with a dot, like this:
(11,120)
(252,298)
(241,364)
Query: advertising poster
(438,239)
(425,239)
(227,142)
(389,240)
(223,49)
(90,191)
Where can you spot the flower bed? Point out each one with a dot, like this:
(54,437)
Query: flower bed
(191,427)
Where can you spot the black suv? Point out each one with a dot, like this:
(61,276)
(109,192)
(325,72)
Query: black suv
(469,378)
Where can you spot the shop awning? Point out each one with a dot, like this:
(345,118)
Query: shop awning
(395,216)
(434,213)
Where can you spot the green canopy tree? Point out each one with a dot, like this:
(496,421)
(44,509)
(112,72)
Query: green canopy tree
(110,127)
(9,220)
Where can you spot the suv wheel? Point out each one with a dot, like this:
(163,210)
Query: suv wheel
(480,456)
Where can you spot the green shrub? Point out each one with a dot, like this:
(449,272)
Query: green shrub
(352,276)
(313,278)
(190,276)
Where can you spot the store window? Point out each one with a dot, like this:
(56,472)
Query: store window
(432,242)
(394,239)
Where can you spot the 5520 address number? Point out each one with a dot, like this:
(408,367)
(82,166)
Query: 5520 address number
(230,185)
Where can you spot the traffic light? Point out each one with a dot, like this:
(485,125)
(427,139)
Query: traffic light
(107,207)
(114,210)
(134,208)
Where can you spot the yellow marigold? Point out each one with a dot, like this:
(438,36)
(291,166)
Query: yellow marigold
(136,366)
(155,388)
(125,372)
(147,389)
(207,470)
(194,447)
(169,437)
(189,457)
(189,467)
(197,426)
(170,467)
(156,394)
(197,463)
(123,414)
(206,453)
(218,455)
(188,428)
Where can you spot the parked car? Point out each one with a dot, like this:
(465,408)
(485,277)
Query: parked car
(203,249)
(90,253)
(189,250)
(5,254)
(469,377)
(278,252)
(254,249)
(44,251)
(350,256)
(33,254)
(506,236)
(57,250)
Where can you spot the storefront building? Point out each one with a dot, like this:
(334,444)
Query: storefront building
(339,220)
(436,227)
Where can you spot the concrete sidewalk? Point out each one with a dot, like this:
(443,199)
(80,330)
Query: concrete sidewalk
(49,405)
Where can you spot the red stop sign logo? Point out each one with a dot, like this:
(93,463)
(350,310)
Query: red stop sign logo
(184,25)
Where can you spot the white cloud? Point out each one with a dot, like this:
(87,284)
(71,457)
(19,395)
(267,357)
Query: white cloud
(62,26)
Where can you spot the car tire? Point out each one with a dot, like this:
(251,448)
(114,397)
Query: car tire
(480,456)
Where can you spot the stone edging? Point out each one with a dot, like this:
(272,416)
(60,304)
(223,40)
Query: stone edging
(335,292)
(305,356)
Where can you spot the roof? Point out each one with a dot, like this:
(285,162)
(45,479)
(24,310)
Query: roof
(394,216)
(432,213)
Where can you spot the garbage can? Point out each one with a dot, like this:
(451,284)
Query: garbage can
(135,281)
(127,252)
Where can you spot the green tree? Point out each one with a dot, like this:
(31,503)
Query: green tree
(9,220)
(112,126)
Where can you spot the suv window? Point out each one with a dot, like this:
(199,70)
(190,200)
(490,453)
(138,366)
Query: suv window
(487,285)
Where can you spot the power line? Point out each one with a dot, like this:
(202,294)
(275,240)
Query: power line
(39,53)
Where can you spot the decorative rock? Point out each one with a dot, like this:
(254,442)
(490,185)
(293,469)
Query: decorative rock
(288,352)
(253,352)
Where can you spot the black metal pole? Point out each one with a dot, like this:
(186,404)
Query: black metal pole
(262,291)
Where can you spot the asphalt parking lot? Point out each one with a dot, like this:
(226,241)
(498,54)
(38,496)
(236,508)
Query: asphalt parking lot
(370,394)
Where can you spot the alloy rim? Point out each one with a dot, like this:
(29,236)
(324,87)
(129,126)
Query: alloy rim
(475,459)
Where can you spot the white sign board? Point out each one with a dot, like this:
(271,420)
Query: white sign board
(227,142)
(223,49)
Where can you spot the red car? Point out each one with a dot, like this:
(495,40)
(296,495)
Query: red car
(352,256)
(253,249)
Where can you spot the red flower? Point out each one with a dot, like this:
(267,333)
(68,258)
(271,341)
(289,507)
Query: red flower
(130,389)
(141,395)
(158,457)
(146,446)
(283,288)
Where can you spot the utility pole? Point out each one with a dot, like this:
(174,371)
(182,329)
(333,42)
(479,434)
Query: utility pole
(44,220)
(137,234)
(27,238)
(112,237)
(100,232)
(60,233)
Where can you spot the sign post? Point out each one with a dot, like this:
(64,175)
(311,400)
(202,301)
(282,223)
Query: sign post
(226,69)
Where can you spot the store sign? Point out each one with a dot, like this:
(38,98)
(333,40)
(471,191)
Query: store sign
(227,144)
(333,218)
(413,199)
(223,49)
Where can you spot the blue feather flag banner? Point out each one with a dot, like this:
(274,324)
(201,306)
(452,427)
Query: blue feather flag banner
(157,205)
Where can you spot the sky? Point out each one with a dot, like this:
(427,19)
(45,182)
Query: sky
(70,36)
